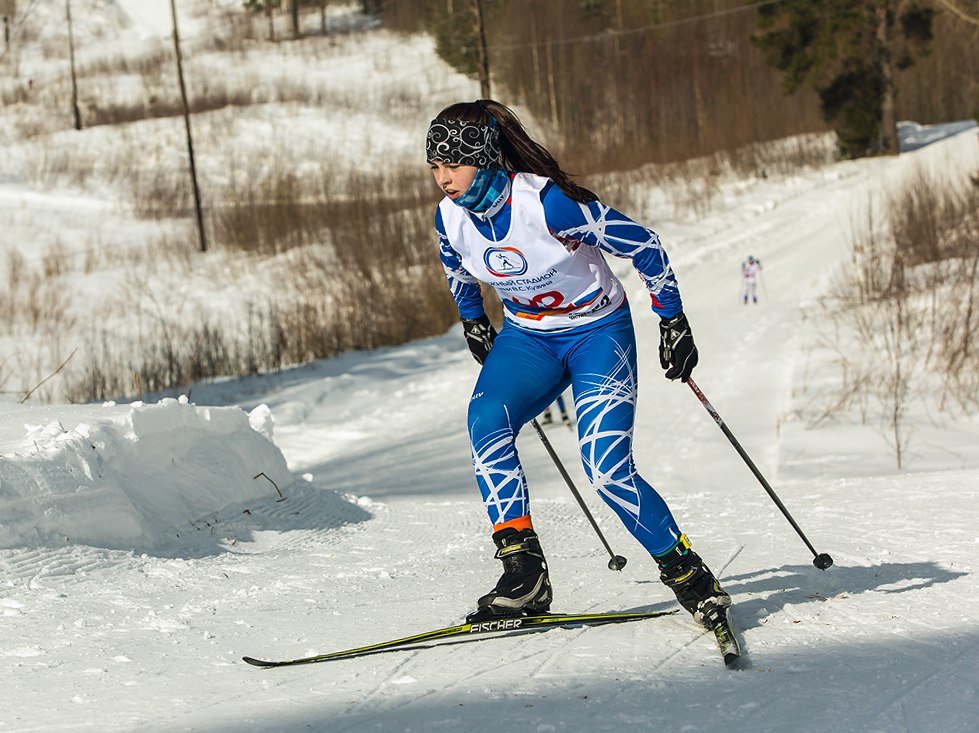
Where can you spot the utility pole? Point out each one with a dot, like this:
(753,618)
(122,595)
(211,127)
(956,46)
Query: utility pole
(295,19)
(482,57)
(74,81)
(190,140)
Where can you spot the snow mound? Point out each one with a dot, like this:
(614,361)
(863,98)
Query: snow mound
(913,135)
(129,478)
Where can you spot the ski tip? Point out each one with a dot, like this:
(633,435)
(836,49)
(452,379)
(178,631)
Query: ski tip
(257,662)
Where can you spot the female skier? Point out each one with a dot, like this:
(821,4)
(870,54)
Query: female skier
(513,219)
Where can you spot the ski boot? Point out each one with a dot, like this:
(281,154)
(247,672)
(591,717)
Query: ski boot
(524,589)
(697,590)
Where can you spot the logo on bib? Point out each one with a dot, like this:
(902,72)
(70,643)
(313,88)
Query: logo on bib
(505,261)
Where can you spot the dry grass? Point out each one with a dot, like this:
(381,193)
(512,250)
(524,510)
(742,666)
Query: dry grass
(357,271)
(319,313)
(692,186)
(34,301)
(904,321)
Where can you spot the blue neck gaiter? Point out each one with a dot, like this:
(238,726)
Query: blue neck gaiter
(486,188)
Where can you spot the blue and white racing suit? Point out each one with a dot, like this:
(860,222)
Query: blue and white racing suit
(567,323)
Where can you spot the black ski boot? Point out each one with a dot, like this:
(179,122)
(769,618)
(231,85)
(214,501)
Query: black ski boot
(683,571)
(524,588)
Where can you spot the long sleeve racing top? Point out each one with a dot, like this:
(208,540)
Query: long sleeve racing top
(537,290)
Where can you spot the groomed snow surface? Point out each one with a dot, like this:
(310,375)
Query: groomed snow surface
(145,548)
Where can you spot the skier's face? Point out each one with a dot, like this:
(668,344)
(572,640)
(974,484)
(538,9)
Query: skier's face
(452,178)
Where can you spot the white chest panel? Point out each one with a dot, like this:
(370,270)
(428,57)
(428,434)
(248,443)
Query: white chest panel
(545,284)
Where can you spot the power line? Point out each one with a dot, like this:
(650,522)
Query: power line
(960,13)
(612,33)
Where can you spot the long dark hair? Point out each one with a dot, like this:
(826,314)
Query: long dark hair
(521,153)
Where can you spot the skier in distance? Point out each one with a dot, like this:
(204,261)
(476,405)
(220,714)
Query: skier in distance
(750,272)
(548,417)
(512,218)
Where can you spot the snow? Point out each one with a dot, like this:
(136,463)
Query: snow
(149,20)
(913,135)
(133,478)
(145,547)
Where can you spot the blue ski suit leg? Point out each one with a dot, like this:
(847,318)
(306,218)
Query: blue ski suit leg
(519,379)
(524,373)
(604,382)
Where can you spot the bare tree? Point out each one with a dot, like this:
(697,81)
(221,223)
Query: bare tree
(74,79)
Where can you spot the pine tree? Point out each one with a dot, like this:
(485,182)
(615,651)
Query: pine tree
(848,52)
(456,40)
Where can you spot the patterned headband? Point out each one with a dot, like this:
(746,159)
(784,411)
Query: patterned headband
(465,143)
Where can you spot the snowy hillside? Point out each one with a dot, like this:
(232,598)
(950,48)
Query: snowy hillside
(99,233)
(142,557)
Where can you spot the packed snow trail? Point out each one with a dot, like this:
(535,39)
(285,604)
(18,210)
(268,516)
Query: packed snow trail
(103,639)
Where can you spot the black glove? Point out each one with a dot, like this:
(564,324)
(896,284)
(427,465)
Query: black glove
(677,352)
(479,336)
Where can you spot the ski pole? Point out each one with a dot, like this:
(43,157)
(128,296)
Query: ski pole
(617,562)
(820,560)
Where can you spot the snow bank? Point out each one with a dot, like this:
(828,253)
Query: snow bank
(913,135)
(133,478)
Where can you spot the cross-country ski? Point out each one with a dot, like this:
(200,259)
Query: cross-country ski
(480,629)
